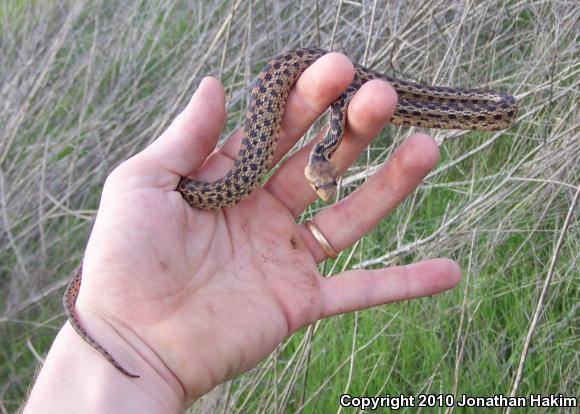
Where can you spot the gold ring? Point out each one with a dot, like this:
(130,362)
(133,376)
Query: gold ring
(330,252)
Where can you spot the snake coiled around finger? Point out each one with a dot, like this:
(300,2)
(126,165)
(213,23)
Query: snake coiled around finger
(418,105)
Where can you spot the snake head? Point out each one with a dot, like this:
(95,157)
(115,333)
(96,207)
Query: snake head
(322,175)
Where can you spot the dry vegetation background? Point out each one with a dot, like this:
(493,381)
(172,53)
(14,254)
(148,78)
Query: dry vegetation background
(85,84)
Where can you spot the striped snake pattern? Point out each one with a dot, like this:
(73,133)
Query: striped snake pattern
(418,105)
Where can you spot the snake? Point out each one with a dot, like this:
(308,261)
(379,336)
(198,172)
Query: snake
(418,105)
(68,301)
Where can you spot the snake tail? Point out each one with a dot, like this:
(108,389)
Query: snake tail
(69,300)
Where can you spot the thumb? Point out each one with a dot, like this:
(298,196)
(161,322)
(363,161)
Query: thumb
(194,133)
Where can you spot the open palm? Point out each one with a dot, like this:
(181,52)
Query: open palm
(207,295)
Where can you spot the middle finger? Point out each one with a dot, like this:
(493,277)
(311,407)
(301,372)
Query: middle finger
(368,112)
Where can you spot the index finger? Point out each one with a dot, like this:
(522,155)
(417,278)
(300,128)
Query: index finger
(314,91)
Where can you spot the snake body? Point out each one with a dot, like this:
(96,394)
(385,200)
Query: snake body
(68,301)
(418,105)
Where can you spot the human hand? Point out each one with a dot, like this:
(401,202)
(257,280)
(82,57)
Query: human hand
(202,296)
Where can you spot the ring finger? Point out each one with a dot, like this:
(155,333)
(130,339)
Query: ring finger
(347,221)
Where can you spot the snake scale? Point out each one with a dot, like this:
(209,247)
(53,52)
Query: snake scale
(418,105)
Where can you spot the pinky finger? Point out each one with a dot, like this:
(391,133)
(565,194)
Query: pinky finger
(361,289)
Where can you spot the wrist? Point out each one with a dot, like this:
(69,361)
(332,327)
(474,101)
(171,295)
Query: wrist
(75,375)
(127,350)
(118,344)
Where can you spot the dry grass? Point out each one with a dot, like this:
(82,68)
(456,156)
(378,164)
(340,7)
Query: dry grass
(86,84)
